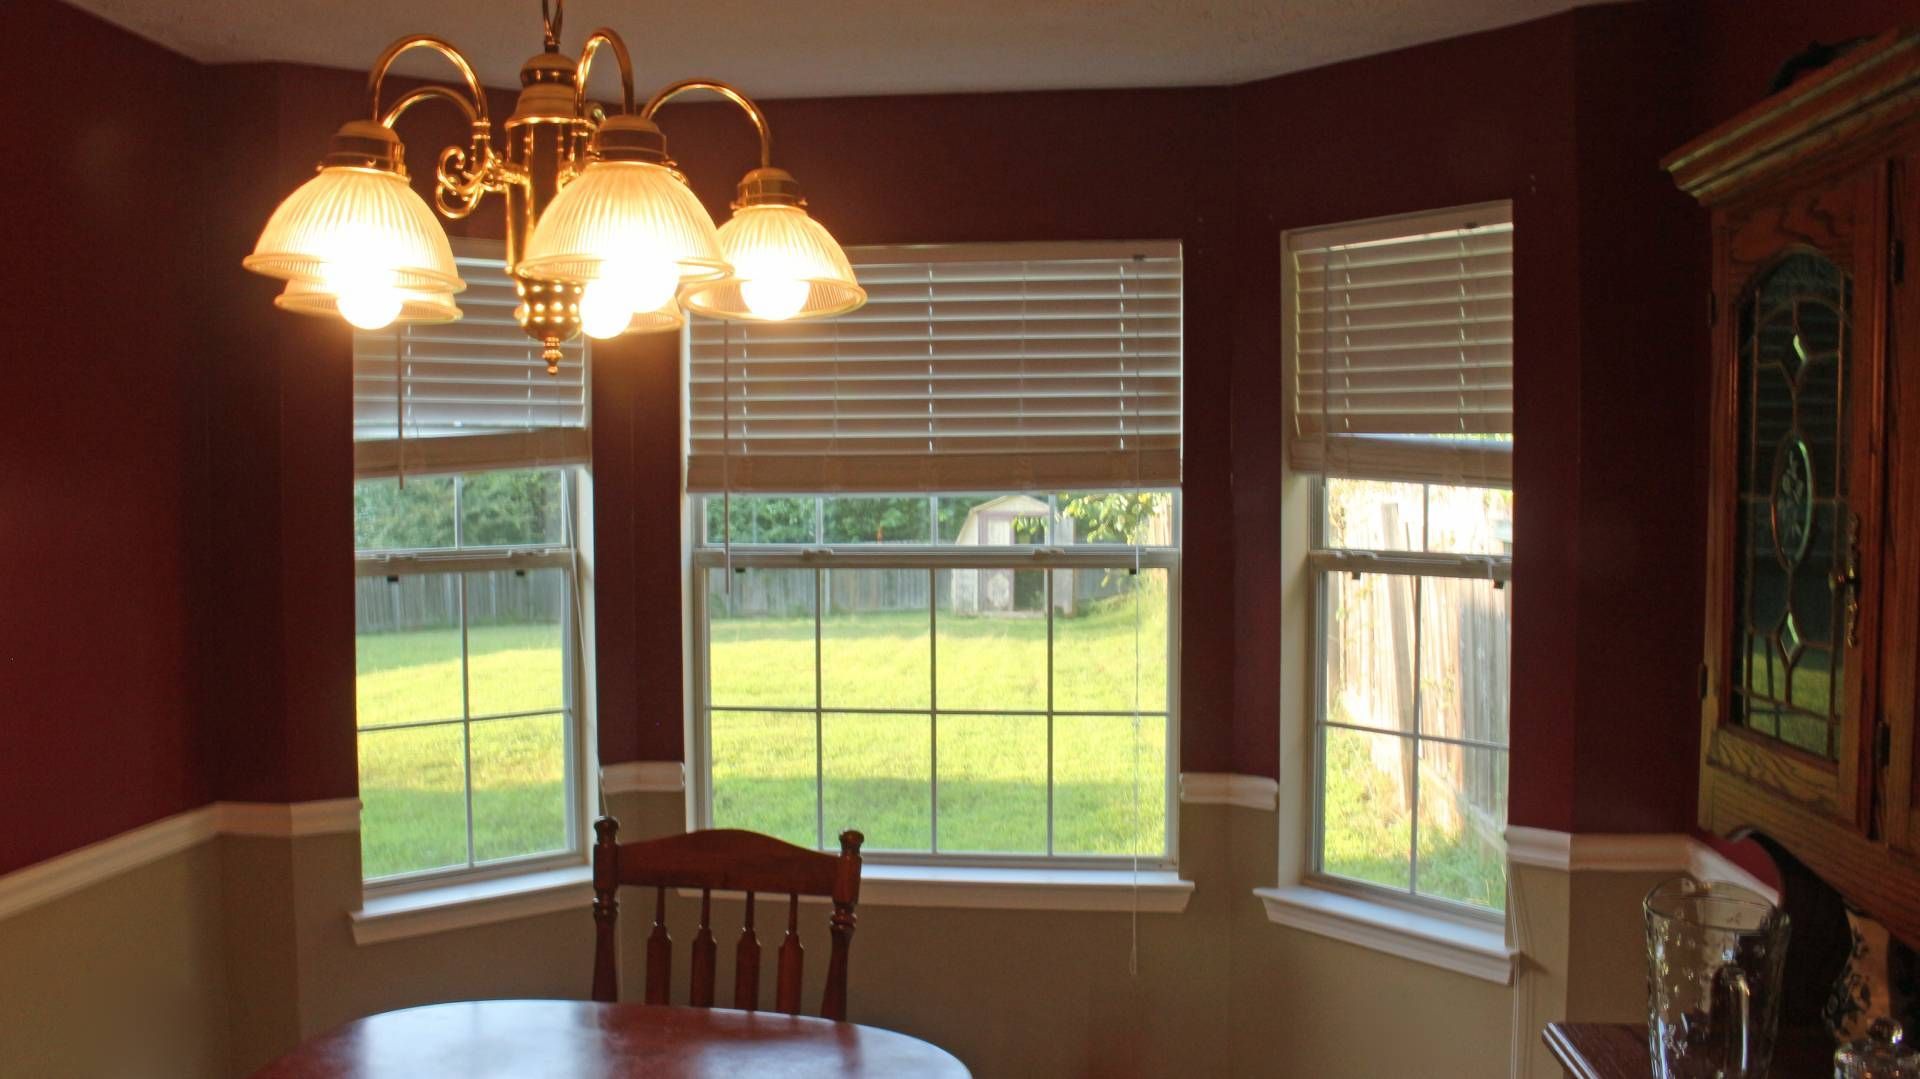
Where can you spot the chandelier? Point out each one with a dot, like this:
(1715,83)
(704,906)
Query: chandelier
(603,234)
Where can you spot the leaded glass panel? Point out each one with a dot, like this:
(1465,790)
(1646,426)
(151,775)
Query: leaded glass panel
(1795,335)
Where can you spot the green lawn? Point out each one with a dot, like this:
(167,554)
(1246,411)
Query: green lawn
(877,768)
(412,779)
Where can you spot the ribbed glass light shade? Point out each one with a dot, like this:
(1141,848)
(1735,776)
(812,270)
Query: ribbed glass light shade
(359,220)
(667,317)
(623,211)
(785,266)
(312,298)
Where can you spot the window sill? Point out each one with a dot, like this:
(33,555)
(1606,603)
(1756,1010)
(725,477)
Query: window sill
(1435,939)
(991,888)
(462,905)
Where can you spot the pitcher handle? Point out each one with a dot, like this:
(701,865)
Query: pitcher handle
(1732,1017)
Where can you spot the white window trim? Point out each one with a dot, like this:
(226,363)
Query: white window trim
(947,870)
(483,886)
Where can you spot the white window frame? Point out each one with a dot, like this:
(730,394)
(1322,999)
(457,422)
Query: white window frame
(565,449)
(1453,936)
(933,558)
(1323,559)
(578,762)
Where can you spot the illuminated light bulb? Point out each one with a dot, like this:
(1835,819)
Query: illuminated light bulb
(372,308)
(365,292)
(775,299)
(604,309)
(622,290)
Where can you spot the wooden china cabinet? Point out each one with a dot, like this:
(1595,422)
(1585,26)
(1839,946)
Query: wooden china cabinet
(1813,561)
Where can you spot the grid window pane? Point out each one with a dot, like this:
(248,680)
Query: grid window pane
(1367,653)
(1365,800)
(1110,785)
(1463,659)
(891,519)
(874,639)
(519,787)
(758,519)
(407,649)
(1373,515)
(943,695)
(1469,520)
(521,507)
(413,800)
(1121,518)
(763,773)
(390,517)
(992,639)
(1463,810)
(1109,651)
(515,658)
(877,777)
(993,784)
(760,638)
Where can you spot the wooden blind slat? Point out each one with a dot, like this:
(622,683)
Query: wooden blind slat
(1062,361)
(1400,331)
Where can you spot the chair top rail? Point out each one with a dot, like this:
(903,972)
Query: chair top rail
(733,860)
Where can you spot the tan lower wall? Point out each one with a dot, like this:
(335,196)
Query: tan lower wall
(123,979)
(214,961)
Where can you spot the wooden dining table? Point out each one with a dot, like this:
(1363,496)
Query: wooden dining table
(572,1039)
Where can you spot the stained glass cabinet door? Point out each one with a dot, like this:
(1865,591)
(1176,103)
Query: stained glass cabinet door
(1796,479)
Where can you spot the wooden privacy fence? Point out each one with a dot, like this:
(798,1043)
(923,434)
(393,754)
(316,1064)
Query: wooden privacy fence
(783,593)
(432,600)
(1456,689)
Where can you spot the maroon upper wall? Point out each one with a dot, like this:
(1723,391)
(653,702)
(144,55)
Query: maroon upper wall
(99,444)
(184,630)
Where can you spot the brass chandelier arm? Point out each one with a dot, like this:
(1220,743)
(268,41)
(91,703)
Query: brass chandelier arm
(746,104)
(603,36)
(429,93)
(377,75)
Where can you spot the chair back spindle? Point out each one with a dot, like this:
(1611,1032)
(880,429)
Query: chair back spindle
(700,993)
(746,964)
(659,952)
(792,959)
(725,860)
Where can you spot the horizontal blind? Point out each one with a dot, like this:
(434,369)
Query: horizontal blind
(971,367)
(1401,343)
(470,394)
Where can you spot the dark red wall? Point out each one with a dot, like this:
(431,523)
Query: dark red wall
(99,446)
(180,624)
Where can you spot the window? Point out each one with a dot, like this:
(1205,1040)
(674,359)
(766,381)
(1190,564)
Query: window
(974,676)
(469,683)
(958,636)
(1400,345)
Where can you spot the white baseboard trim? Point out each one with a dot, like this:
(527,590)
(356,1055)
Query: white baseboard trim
(1654,852)
(67,873)
(644,777)
(1227,788)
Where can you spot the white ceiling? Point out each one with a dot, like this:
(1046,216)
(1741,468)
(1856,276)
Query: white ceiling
(806,48)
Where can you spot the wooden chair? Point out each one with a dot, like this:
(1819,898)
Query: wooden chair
(724,860)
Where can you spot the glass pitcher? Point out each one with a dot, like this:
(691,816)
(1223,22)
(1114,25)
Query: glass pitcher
(1714,956)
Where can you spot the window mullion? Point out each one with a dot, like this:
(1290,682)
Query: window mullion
(933,712)
(1049,590)
(466,703)
(1413,816)
(819,720)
